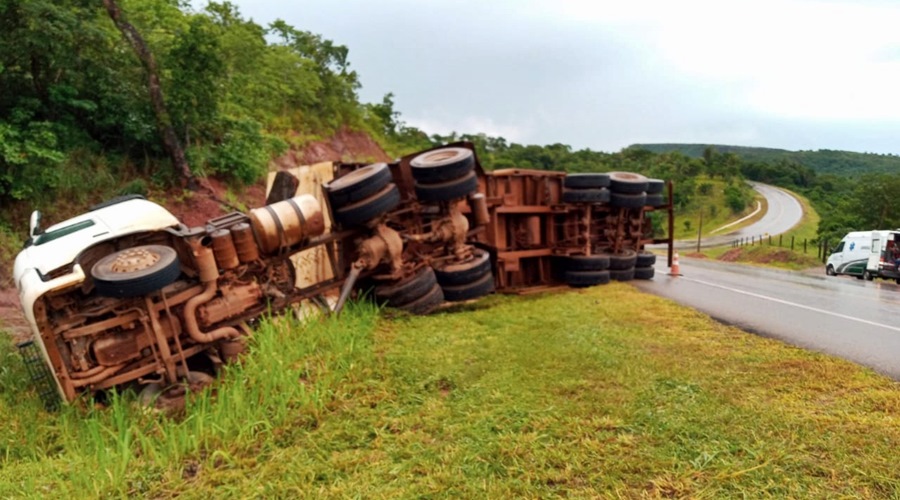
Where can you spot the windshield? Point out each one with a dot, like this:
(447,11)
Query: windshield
(63,231)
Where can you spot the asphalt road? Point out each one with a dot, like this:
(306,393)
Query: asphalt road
(853,319)
(784,212)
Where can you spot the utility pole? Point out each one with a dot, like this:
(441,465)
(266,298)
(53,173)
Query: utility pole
(700,230)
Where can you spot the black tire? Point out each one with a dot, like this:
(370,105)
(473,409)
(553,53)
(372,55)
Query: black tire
(426,303)
(620,200)
(645,259)
(868,275)
(622,261)
(644,273)
(581,181)
(830,271)
(627,183)
(442,165)
(136,271)
(358,184)
(473,290)
(597,262)
(466,272)
(656,200)
(406,290)
(586,278)
(365,210)
(600,195)
(622,274)
(655,186)
(449,190)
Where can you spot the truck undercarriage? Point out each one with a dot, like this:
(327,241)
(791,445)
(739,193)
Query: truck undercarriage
(154,308)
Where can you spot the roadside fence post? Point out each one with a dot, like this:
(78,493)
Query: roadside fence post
(804,245)
(792,243)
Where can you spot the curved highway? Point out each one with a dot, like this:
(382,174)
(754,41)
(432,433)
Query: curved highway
(784,212)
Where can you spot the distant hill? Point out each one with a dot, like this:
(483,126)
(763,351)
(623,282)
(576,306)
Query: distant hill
(823,161)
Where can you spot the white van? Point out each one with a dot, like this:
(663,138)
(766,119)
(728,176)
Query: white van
(851,255)
(884,255)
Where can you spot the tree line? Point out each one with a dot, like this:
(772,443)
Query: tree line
(75,89)
(75,109)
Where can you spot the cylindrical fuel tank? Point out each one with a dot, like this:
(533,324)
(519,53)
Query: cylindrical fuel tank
(223,248)
(284,224)
(247,249)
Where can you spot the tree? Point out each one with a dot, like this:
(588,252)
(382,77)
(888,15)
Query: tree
(163,119)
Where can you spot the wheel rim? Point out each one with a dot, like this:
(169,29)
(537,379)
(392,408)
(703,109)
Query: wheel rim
(133,260)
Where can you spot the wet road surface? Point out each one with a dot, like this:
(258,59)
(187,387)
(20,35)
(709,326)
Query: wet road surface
(853,319)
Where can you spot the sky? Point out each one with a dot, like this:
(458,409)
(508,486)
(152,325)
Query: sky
(791,74)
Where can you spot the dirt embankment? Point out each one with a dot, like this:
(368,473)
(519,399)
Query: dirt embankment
(196,208)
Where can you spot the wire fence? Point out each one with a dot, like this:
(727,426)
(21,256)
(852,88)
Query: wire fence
(805,245)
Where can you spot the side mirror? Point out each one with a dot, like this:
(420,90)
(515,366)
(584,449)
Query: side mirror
(34,225)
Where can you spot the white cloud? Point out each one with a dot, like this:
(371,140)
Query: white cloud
(444,125)
(603,74)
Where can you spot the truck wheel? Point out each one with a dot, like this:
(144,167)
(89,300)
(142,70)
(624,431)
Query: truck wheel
(358,184)
(406,290)
(868,275)
(442,165)
(466,272)
(596,262)
(624,260)
(620,200)
(136,271)
(622,274)
(367,209)
(426,303)
(600,195)
(645,259)
(627,183)
(656,200)
(586,278)
(581,181)
(644,273)
(830,271)
(655,186)
(473,290)
(448,190)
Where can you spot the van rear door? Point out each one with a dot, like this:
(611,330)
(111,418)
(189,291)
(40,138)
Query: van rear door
(875,253)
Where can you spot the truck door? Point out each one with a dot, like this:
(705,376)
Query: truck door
(875,253)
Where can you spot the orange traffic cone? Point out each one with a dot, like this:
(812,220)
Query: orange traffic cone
(676,269)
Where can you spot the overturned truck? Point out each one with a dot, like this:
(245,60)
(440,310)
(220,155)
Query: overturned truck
(127,296)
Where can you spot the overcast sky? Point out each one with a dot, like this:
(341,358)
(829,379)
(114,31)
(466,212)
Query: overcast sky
(793,74)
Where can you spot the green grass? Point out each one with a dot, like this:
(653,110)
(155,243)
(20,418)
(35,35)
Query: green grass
(605,392)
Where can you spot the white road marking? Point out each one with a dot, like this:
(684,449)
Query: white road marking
(794,304)
(726,226)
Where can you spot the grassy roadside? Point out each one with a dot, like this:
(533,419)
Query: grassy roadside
(601,392)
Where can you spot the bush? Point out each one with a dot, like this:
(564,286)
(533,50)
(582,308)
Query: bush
(28,160)
(242,153)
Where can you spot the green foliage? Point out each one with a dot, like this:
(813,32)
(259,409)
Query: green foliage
(71,83)
(28,160)
(736,198)
(823,161)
